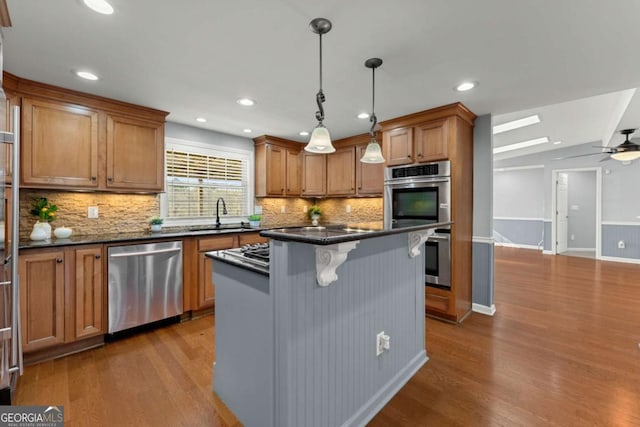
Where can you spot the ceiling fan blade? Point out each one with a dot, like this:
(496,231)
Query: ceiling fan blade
(573,157)
(604,159)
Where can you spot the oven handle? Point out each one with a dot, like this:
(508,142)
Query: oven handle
(391,183)
(439,237)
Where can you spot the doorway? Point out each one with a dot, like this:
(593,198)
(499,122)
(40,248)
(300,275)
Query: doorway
(576,212)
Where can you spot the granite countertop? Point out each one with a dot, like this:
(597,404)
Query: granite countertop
(227,258)
(330,234)
(127,237)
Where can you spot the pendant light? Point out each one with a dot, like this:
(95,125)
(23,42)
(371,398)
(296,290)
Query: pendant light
(373,154)
(320,141)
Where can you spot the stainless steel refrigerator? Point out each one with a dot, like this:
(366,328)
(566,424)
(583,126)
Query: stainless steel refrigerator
(10,336)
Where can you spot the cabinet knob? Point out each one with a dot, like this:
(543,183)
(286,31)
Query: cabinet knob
(419,155)
(59,260)
(359,188)
(409,156)
(93,178)
(97,256)
(110,179)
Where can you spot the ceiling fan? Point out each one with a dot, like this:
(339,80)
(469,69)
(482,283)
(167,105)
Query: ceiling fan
(626,151)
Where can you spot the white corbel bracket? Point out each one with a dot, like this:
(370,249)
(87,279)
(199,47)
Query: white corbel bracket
(417,239)
(330,257)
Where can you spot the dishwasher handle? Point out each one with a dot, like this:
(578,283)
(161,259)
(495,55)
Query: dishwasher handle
(144,253)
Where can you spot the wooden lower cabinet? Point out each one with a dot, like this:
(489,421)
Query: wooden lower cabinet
(87,293)
(205,294)
(42,291)
(62,295)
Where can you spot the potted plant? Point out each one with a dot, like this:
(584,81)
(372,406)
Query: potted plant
(46,212)
(314,213)
(156,223)
(254,220)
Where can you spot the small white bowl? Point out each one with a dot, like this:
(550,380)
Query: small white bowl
(62,232)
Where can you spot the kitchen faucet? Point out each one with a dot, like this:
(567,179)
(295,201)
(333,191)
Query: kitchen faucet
(224,210)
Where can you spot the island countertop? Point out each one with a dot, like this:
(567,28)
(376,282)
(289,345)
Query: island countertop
(331,234)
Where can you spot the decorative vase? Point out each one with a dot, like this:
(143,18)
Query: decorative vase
(254,224)
(155,228)
(41,231)
(314,220)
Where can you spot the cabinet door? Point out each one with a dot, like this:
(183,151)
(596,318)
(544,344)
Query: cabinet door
(206,290)
(276,170)
(398,146)
(369,176)
(135,154)
(41,299)
(294,176)
(341,173)
(431,141)
(314,174)
(59,145)
(87,289)
(6,118)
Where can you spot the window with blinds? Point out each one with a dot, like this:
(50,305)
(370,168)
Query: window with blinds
(195,181)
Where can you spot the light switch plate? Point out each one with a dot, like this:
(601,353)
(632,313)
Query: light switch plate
(92,212)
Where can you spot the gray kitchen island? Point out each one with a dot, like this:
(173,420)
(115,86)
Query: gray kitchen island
(327,332)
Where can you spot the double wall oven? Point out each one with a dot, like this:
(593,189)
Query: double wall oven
(420,194)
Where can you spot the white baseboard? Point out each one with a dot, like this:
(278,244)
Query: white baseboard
(546,252)
(582,249)
(483,309)
(515,245)
(620,259)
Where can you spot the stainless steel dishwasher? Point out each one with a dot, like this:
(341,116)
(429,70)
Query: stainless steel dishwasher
(145,284)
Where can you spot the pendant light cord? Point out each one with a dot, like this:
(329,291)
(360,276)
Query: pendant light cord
(373,119)
(320,94)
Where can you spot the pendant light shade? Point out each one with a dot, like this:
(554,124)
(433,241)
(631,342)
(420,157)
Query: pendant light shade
(320,141)
(373,153)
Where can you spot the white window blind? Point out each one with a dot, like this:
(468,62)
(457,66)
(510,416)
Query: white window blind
(195,181)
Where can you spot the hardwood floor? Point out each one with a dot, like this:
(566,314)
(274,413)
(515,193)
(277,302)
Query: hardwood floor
(562,350)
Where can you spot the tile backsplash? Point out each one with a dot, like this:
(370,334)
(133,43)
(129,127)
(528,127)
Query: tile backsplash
(116,212)
(334,210)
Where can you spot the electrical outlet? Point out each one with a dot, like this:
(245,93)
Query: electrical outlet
(621,244)
(379,343)
(305,209)
(258,210)
(92,212)
(348,208)
(573,237)
(283,209)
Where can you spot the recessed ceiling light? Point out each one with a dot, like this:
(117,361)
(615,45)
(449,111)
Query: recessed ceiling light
(100,6)
(246,102)
(519,145)
(86,75)
(516,124)
(304,133)
(247,130)
(201,120)
(465,86)
(557,142)
(363,115)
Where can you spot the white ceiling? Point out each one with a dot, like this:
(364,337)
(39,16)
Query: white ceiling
(196,57)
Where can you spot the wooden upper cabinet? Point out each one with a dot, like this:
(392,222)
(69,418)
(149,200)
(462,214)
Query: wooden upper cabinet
(77,141)
(431,141)
(314,174)
(42,299)
(135,154)
(294,173)
(398,146)
(59,145)
(341,174)
(278,167)
(87,292)
(276,170)
(369,176)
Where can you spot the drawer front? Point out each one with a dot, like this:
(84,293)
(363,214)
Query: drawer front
(216,243)
(437,302)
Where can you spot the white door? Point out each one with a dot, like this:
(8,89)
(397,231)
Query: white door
(562,212)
